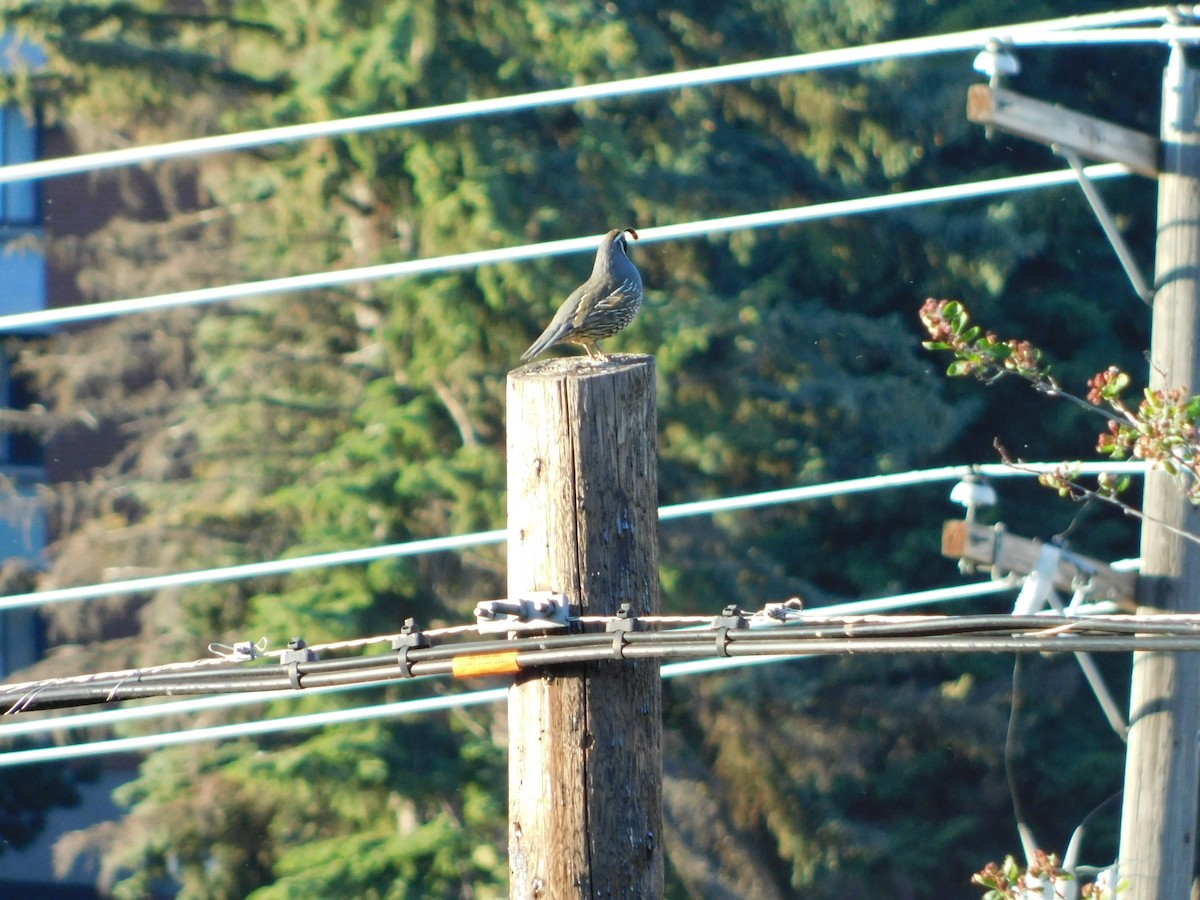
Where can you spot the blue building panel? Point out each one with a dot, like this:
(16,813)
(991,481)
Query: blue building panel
(22,279)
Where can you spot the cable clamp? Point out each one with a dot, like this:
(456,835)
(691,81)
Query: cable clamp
(532,611)
(241,651)
(297,652)
(731,618)
(410,638)
(622,622)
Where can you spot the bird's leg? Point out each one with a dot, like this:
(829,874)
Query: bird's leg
(597,356)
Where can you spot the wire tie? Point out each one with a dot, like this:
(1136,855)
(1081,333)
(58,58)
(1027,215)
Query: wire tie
(782,612)
(241,651)
(730,618)
(622,622)
(410,638)
(297,652)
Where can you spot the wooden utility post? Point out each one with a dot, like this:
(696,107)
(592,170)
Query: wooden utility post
(585,746)
(1158,820)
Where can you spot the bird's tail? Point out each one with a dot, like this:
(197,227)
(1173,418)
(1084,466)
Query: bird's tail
(549,338)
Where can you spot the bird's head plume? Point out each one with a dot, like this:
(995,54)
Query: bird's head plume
(617,239)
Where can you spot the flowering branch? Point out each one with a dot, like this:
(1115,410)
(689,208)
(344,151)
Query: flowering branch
(1043,878)
(1163,428)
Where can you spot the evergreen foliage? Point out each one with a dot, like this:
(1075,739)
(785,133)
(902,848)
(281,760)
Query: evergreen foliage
(374,413)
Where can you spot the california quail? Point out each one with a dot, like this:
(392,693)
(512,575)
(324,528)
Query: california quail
(602,305)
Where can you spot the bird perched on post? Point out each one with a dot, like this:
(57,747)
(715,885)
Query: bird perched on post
(602,305)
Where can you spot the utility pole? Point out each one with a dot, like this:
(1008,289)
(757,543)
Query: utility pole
(1158,819)
(1162,763)
(585,746)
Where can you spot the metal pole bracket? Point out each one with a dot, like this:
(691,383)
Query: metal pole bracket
(534,611)
(1108,223)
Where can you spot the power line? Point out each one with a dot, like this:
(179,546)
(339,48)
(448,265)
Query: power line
(727,635)
(457,542)
(1028,34)
(704,228)
(250,570)
(821,636)
(173,708)
(249,729)
(886,482)
(1162,34)
(874,606)
(849,608)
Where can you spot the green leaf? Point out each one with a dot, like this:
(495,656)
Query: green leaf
(1192,408)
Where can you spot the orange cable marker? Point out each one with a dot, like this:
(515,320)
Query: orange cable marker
(485,664)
